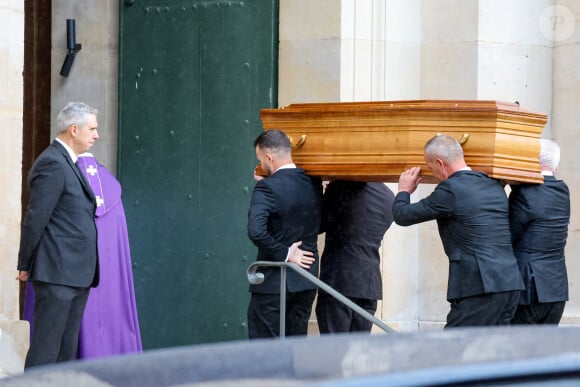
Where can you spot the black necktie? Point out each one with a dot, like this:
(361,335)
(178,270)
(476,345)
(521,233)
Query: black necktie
(79,168)
(83,177)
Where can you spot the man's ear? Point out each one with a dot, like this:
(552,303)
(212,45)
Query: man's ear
(74,129)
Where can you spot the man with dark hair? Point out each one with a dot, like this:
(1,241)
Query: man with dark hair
(539,218)
(355,217)
(58,244)
(471,210)
(283,222)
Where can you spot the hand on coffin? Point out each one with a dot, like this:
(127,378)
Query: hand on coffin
(409,180)
(300,257)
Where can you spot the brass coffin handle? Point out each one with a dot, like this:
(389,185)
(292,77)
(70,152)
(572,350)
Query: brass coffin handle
(462,140)
(299,143)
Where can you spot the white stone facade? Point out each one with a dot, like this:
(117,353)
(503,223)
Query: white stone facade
(365,50)
(13,333)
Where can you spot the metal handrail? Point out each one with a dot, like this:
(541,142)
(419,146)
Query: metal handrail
(256,278)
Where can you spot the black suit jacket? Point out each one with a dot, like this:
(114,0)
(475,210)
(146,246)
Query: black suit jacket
(355,217)
(539,218)
(472,216)
(285,208)
(58,242)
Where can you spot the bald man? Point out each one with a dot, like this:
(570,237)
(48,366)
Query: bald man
(471,211)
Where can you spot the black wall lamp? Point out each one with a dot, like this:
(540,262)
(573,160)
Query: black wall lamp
(72,46)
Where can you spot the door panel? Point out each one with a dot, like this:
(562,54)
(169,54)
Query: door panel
(193,78)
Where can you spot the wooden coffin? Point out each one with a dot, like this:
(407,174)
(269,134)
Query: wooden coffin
(376,141)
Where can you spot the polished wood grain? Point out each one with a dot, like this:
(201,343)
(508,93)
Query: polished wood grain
(376,141)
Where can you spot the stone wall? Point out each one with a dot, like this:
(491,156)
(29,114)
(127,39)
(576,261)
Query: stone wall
(565,122)
(93,76)
(13,333)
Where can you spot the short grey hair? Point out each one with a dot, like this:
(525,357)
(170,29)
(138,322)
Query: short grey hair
(74,113)
(549,154)
(444,147)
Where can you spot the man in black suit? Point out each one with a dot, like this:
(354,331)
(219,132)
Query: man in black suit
(283,222)
(58,245)
(471,210)
(539,218)
(355,217)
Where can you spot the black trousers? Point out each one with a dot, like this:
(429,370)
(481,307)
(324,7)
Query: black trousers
(335,317)
(58,311)
(264,314)
(539,313)
(483,310)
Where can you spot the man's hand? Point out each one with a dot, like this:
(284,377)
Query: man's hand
(22,276)
(300,257)
(409,180)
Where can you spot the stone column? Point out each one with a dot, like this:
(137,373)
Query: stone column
(347,50)
(565,118)
(13,333)
(309,51)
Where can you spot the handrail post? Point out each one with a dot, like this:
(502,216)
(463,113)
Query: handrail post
(282,302)
(256,278)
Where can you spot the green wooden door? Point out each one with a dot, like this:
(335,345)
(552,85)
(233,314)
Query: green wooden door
(193,78)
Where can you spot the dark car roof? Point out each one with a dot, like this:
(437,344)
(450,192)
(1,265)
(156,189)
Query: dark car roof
(452,357)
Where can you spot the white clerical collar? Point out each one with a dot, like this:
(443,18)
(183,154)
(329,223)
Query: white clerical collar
(286,166)
(466,168)
(547,173)
(71,153)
